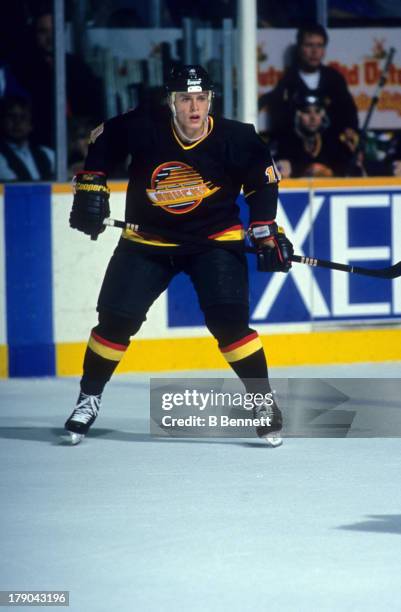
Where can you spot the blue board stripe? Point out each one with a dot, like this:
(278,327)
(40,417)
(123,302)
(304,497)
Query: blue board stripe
(29,280)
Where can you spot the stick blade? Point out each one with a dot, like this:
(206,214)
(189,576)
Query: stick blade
(390,272)
(394,271)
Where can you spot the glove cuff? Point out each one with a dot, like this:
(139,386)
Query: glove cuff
(94,182)
(261,230)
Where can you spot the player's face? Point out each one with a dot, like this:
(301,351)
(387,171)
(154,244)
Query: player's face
(311,119)
(311,51)
(191,112)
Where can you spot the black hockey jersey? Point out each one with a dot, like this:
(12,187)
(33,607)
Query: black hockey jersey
(190,188)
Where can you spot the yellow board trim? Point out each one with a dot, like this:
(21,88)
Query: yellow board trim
(314,348)
(363,181)
(243,351)
(301,183)
(3,361)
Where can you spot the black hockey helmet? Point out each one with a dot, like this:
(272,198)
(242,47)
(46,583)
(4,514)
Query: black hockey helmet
(191,78)
(311,98)
(305,100)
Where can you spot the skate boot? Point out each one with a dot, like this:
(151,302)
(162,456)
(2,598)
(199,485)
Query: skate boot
(270,431)
(84,414)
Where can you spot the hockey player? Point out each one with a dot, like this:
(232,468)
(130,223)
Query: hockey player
(187,168)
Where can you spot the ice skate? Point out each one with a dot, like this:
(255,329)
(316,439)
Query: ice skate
(270,432)
(84,414)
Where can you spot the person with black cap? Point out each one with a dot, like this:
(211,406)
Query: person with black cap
(187,168)
(313,149)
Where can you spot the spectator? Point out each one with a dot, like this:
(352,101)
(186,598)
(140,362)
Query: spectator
(20,159)
(36,73)
(313,149)
(308,76)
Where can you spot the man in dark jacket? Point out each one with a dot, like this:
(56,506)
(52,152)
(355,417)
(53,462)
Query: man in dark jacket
(20,158)
(307,77)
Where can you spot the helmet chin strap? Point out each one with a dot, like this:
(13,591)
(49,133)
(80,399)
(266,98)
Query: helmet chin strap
(171,100)
(171,103)
(182,134)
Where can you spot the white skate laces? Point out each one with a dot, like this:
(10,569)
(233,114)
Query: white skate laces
(86,409)
(82,417)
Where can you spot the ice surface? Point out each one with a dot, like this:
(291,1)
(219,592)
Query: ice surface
(128,522)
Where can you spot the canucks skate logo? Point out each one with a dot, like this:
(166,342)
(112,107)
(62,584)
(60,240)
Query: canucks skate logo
(178,188)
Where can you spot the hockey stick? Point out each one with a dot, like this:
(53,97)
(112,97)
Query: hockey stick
(376,95)
(372,106)
(390,272)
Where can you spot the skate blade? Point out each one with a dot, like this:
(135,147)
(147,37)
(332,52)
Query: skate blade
(273,440)
(72,438)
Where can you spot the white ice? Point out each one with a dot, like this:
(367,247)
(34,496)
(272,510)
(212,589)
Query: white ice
(132,523)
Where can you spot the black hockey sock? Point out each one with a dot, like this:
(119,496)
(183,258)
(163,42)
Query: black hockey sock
(239,344)
(253,371)
(97,372)
(101,359)
(106,347)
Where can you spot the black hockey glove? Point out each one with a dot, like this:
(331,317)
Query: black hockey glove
(91,203)
(274,248)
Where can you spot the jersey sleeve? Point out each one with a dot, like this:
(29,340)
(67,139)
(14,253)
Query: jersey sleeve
(260,179)
(108,144)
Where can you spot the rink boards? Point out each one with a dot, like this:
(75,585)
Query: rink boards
(50,277)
